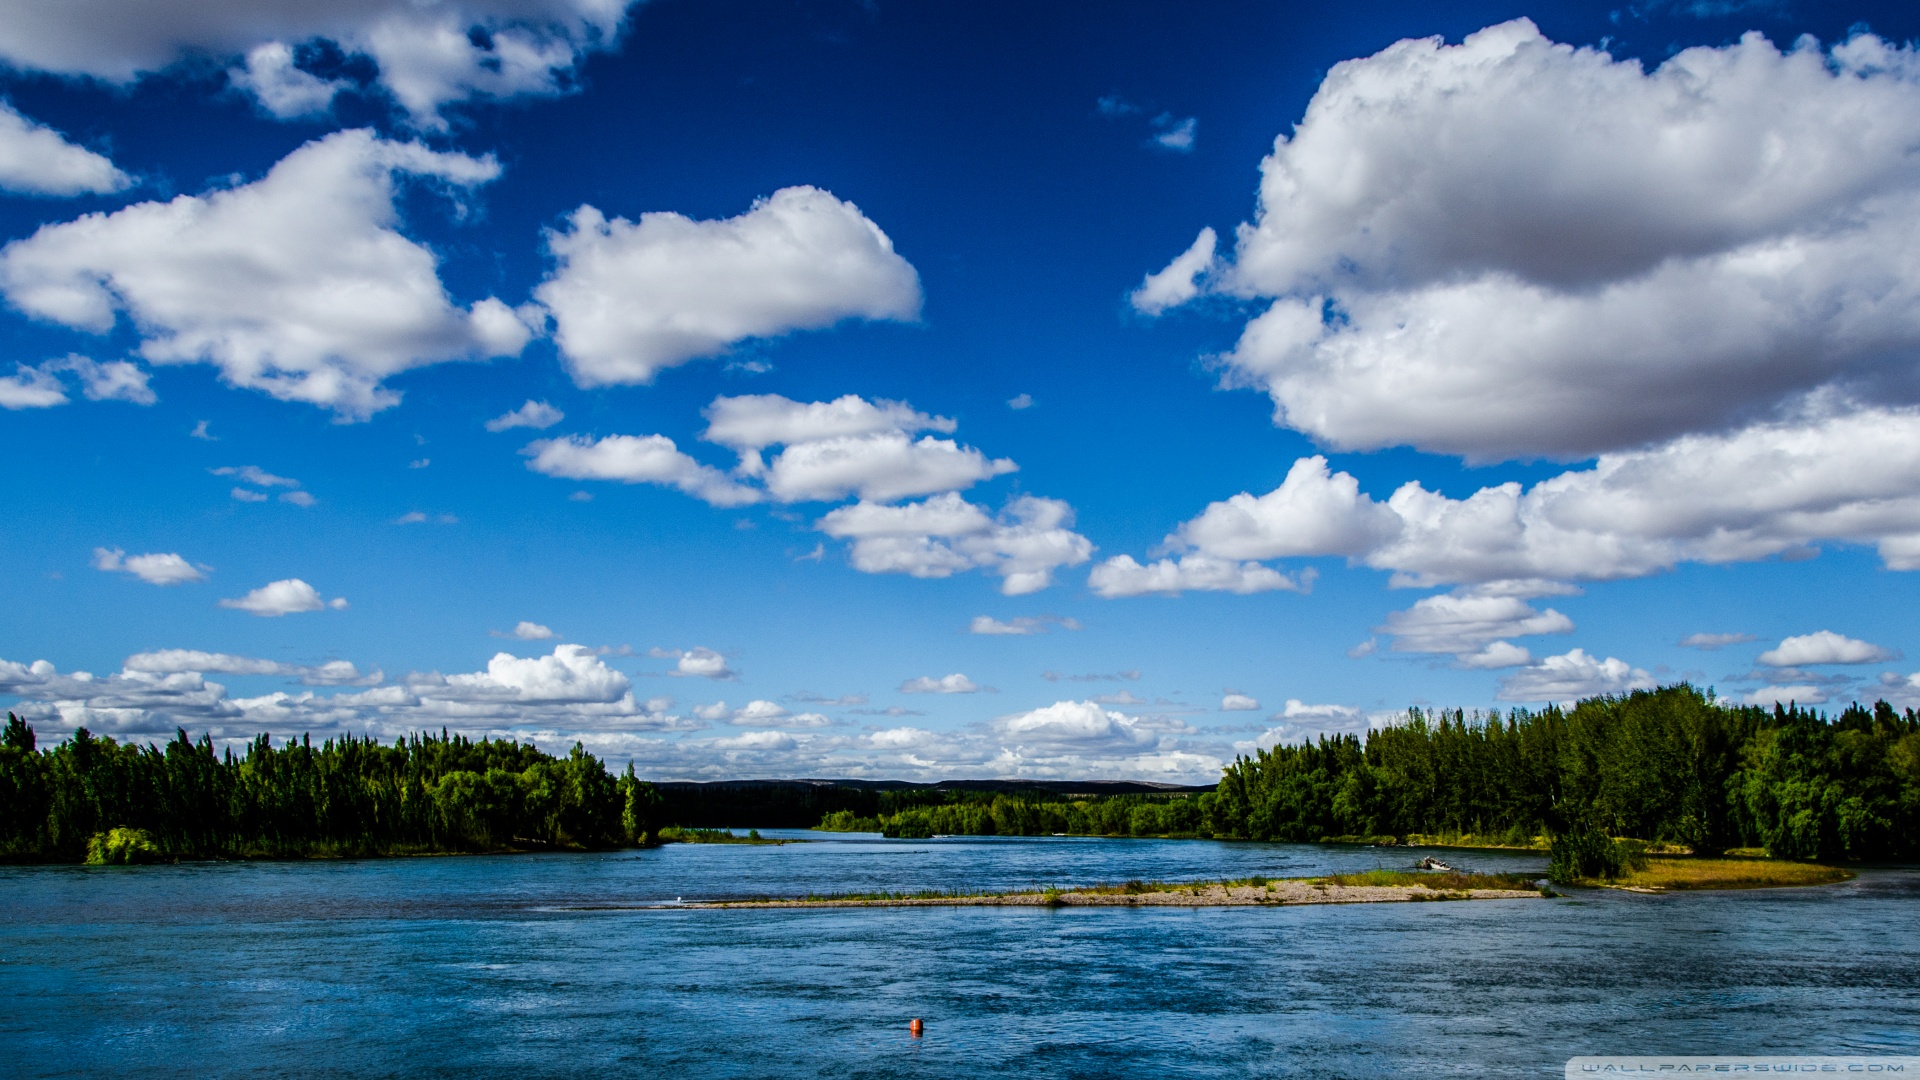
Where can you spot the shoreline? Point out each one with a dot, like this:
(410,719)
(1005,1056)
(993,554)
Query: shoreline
(1276,893)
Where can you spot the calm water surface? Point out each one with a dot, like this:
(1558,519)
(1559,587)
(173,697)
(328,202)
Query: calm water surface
(547,965)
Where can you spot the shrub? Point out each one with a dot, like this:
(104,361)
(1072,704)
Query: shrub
(1589,853)
(121,847)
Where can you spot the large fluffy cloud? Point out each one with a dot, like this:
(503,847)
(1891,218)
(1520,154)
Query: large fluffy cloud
(429,52)
(1512,248)
(1766,490)
(944,535)
(1823,647)
(297,284)
(631,298)
(37,160)
(570,674)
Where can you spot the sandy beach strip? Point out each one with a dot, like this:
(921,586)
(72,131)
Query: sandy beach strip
(1199,894)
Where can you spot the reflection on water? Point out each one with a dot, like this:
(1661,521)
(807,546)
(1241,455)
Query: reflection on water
(528,964)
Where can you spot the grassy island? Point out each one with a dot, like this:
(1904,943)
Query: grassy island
(1665,874)
(1373,887)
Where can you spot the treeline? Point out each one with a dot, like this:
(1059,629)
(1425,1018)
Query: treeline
(961,813)
(1668,766)
(93,798)
(1671,765)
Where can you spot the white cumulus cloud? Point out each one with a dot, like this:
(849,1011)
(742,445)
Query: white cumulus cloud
(271,73)
(847,446)
(699,662)
(1511,248)
(174,661)
(1067,726)
(766,714)
(37,160)
(570,674)
(753,422)
(1470,625)
(114,380)
(1571,676)
(556,698)
(1787,695)
(632,298)
(1299,721)
(1239,703)
(945,684)
(1766,490)
(534,414)
(878,468)
(41,387)
(1122,575)
(154,568)
(32,388)
(297,284)
(177,661)
(1179,281)
(944,535)
(1823,647)
(636,459)
(427,54)
(289,596)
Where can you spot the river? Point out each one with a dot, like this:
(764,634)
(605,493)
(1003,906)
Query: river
(554,965)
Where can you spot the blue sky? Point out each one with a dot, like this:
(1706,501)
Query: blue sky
(347,388)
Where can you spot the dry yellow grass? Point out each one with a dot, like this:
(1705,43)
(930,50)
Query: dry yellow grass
(1664,875)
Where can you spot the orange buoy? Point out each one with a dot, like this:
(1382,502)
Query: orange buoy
(916,1027)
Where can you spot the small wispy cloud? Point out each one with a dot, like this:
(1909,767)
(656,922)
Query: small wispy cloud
(1175,135)
(1710,642)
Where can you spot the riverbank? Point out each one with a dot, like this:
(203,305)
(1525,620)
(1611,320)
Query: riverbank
(1671,874)
(1372,887)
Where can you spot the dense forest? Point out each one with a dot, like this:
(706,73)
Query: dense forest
(1667,766)
(96,800)
(1670,766)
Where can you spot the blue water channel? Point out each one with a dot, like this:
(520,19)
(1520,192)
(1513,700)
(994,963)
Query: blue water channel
(564,965)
